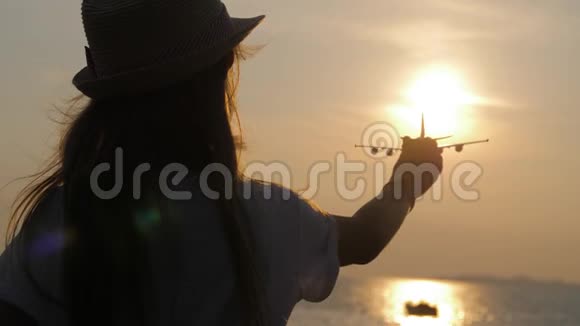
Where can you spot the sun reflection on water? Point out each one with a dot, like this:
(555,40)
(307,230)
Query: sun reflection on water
(440,294)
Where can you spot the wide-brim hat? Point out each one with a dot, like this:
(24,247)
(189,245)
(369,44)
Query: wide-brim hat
(141,45)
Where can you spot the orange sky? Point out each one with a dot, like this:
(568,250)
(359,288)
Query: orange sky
(331,68)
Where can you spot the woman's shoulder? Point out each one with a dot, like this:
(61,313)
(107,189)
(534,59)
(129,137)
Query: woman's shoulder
(270,191)
(276,201)
(274,195)
(269,204)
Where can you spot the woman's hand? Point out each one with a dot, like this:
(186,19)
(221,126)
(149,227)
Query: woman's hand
(418,167)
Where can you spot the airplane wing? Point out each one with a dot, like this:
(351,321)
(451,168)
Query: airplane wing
(378,147)
(442,138)
(464,144)
(391,150)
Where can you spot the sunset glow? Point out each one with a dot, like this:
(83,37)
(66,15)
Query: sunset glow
(442,95)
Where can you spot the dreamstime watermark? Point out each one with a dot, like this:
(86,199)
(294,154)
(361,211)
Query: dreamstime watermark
(462,177)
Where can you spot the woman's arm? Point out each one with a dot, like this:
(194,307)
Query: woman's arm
(11,315)
(364,236)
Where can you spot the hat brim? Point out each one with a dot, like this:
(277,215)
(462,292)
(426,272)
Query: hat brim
(164,74)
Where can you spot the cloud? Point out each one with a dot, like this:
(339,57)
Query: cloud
(428,25)
(432,35)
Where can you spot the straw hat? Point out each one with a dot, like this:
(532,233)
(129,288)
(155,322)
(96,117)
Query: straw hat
(141,45)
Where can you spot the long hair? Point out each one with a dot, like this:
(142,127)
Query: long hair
(105,262)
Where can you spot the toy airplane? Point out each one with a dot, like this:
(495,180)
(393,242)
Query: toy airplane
(391,151)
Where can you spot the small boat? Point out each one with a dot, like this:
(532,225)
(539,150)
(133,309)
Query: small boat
(422,309)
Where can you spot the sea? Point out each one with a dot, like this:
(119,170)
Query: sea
(459,301)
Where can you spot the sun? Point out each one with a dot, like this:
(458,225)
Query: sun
(442,95)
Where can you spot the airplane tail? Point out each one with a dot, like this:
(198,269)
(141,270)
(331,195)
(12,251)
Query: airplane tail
(423,129)
(422,125)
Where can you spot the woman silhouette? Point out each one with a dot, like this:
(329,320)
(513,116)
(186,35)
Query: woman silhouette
(104,236)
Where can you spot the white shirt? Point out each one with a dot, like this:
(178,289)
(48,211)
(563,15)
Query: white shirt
(296,243)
